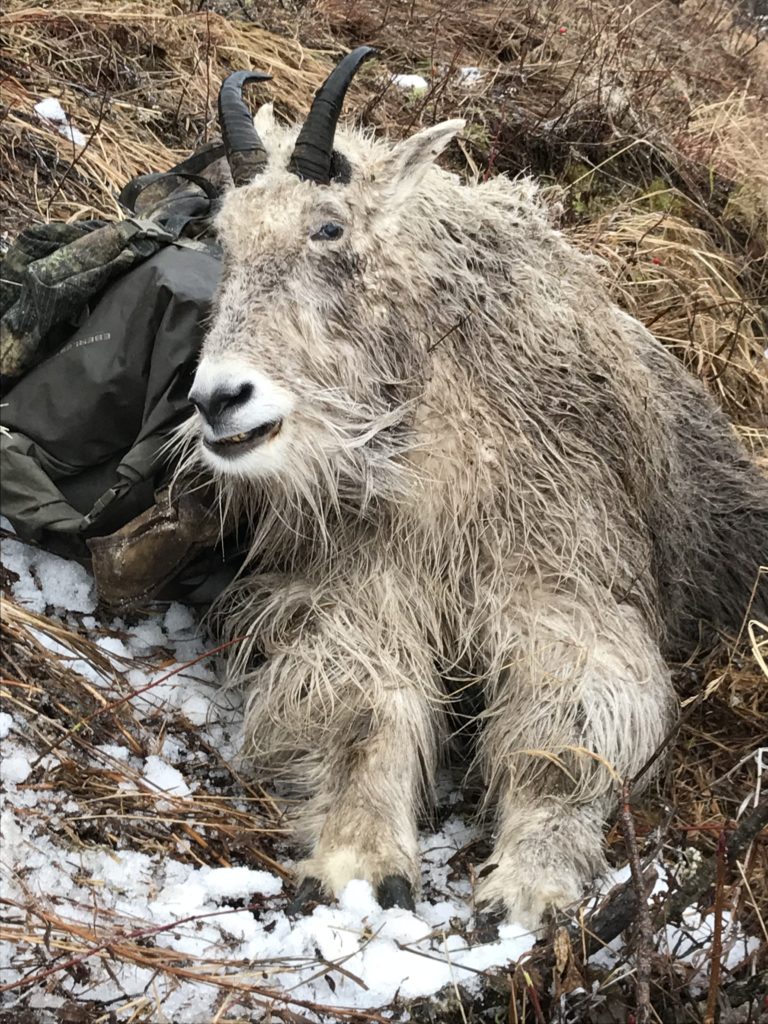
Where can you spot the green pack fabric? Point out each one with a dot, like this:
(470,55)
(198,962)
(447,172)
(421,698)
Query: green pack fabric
(84,427)
(56,270)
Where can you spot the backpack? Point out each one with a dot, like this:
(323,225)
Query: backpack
(100,328)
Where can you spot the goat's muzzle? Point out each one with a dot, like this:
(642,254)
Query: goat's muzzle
(238,444)
(239,408)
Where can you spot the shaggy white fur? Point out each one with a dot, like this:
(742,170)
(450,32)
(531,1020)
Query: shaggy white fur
(494,500)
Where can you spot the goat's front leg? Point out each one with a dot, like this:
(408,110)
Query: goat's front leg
(583,702)
(349,712)
(364,820)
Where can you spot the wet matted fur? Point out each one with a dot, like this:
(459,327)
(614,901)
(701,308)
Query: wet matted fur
(482,469)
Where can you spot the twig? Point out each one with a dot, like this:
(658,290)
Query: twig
(701,880)
(717,936)
(77,157)
(614,915)
(207,73)
(644,949)
(748,829)
(114,705)
(112,940)
(459,323)
(667,740)
(534,997)
(116,945)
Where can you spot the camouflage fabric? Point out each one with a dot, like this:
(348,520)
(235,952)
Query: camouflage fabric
(54,289)
(52,273)
(20,337)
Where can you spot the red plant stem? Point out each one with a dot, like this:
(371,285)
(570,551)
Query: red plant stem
(717,935)
(644,928)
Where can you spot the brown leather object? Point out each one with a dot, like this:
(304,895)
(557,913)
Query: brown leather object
(137,561)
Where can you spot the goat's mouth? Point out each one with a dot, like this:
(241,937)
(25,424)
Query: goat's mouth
(238,444)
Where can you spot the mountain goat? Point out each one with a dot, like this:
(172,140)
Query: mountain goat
(466,472)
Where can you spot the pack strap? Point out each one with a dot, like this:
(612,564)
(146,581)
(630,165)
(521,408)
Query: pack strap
(188,169)
(200,159)
(131,192)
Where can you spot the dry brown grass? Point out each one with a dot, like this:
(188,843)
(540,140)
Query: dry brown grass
(139,78)
(648,122)
(673,276)
(70,717)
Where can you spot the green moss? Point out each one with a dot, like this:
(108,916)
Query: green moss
(660,198)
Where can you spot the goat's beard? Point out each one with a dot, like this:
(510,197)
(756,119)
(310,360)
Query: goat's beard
(340,462)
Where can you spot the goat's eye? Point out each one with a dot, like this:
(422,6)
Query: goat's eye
(329,232)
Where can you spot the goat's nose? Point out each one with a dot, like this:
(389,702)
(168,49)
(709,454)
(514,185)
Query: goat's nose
(226,398)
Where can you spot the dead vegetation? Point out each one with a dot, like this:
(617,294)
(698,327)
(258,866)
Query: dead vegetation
(140,79)
(704,826)
(646,123)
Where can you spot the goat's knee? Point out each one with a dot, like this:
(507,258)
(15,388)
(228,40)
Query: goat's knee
(586,704)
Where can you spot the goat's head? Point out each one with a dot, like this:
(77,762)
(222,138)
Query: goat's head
(296,370)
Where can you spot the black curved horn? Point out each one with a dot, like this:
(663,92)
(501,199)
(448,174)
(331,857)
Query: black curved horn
(311,157)
(245,151)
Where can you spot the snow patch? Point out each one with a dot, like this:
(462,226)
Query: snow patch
(14,767)
(414,83)
(51,110)
(47,580)
(470,75)
(227,882)
(165,777)
(113,751)
(73,134)
(179,620)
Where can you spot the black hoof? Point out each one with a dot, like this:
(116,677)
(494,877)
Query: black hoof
(308,895)
(487,926)
(395,891)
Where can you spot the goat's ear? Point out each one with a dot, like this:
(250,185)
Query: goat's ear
(410,158)
(264,119)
